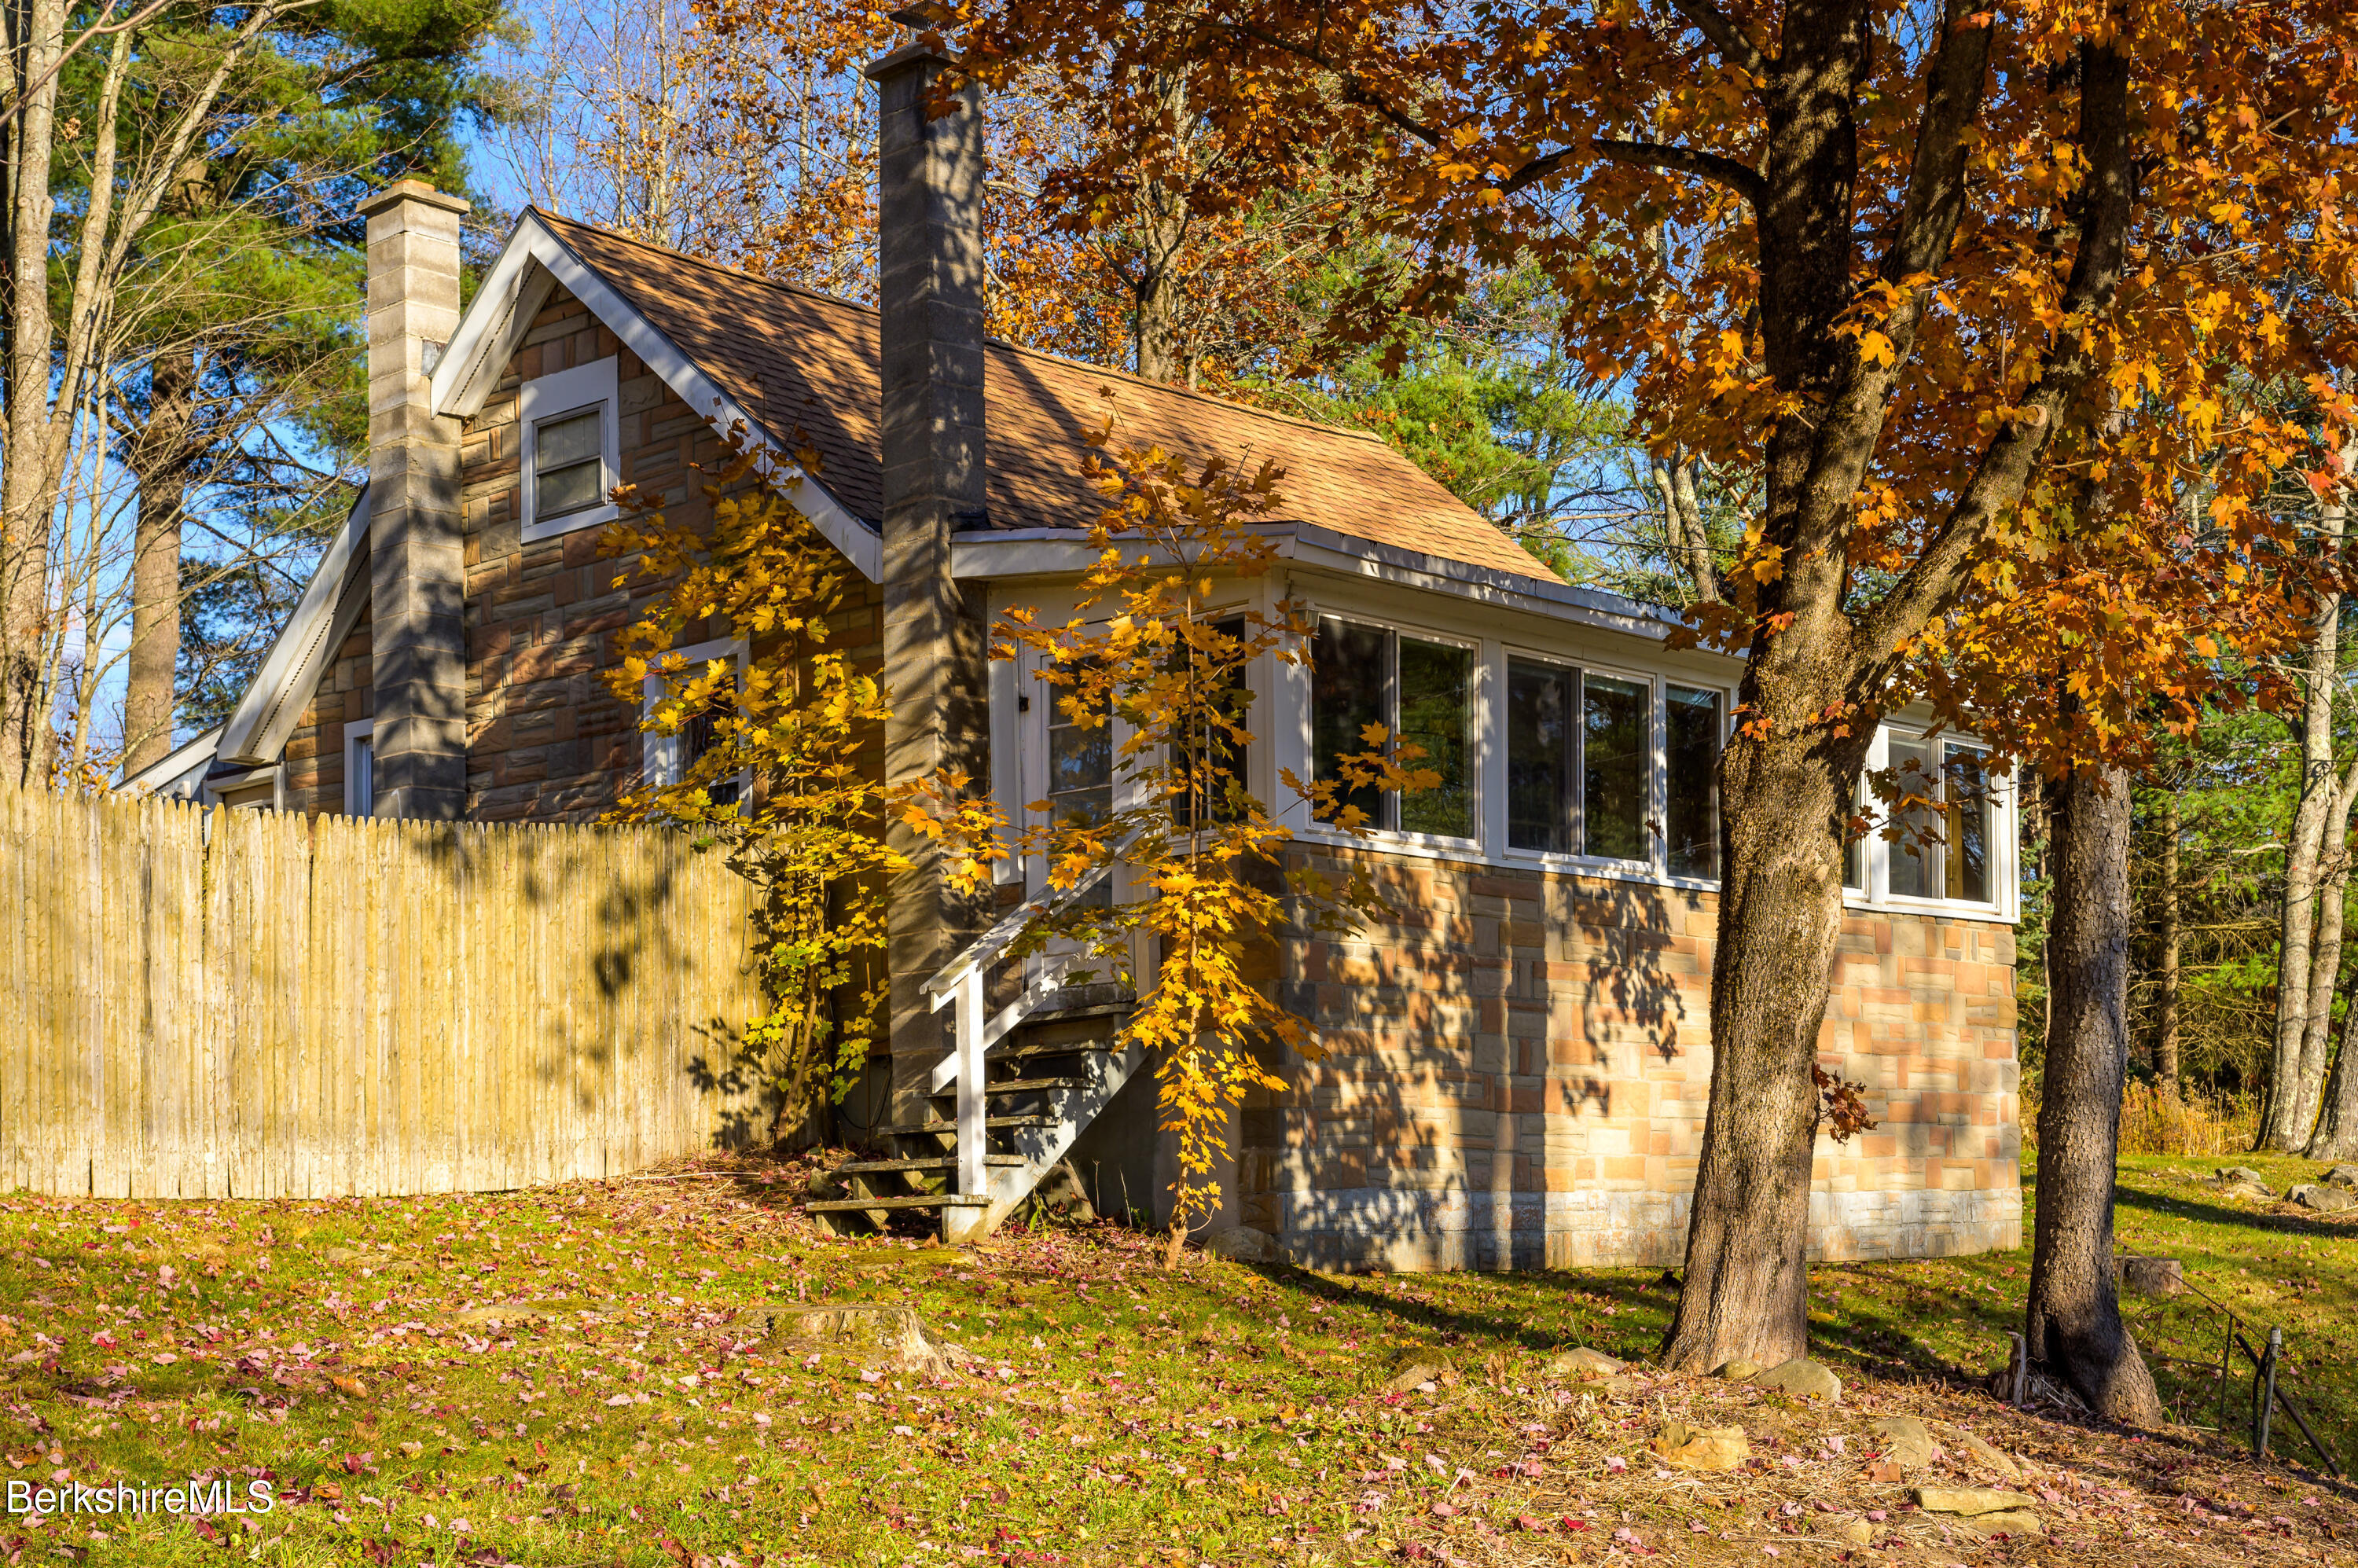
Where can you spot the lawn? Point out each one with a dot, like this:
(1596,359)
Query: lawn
(577,1376)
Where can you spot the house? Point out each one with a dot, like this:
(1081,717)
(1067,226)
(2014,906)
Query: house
(1518,1058)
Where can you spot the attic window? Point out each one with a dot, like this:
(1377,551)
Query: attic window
(570,427)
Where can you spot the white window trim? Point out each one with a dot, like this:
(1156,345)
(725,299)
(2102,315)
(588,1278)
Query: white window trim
(550,396)
(659,758)
(1477,740)
(2004,837)
(1652,870)
(357,730)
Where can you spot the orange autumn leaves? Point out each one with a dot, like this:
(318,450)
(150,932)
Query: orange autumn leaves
(1165,625)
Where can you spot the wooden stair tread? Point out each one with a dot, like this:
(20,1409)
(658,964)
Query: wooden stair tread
(944,1163)
(918,1200)
(1004,1053)
(909,1129)
(1014,1086)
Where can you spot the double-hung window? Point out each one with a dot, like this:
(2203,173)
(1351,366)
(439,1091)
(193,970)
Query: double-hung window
(570,430)
(1421,691)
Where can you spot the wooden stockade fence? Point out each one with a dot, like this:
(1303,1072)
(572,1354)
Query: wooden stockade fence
(235,1003)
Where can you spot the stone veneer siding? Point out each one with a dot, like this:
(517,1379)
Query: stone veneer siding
(1517,1067)
(547,740)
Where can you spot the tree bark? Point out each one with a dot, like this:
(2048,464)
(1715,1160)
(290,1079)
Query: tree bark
(29,484)
(2072,1323)
(2166,1041)
(2336,1137)
(161,462)
(2324,971)
(1745,1296)
(2282,1124)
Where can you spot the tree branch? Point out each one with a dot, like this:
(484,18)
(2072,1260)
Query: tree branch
(1737,177)
(1725,36)
(2004,472)
(1936,184)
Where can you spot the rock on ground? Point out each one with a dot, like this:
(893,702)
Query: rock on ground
(1425,1375)
(1685,1447)
(1996,1460)
(2341,1176)
(1584,1365)
(1245,1245)
(1907,1441)
(2324,1199)
(1803,1378)
(1971,1502)
(2151,1276)
(1739,1371)
(2242,1181)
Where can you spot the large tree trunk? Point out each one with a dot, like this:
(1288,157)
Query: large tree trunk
(2282,1124)
(29,484)
(2324,971)
(2074,1320)
(1788,797)
(2336,1137)
(161,457)
(2165,1042)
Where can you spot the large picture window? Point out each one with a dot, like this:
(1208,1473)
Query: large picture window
(1417,690)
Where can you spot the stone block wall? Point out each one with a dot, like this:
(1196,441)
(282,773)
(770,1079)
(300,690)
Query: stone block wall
(1519,1063)
(547,739)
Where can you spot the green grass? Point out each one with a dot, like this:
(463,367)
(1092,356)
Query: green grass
(563,1377)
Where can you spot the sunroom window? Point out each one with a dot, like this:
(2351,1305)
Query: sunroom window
(1421,691)
(1942,848)
(1616,766)
(1692,731)
(1543,757)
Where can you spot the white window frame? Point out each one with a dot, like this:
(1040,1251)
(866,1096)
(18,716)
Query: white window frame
(552,396)
(1654,867)
(1478,738)
(1663,681)
(355,732)
(2005,834)
(660,764)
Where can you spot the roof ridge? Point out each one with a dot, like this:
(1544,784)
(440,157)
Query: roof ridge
(1001,344)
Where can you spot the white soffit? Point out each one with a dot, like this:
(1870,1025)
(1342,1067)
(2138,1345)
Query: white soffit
(180,776)
(266,714)
(533,261)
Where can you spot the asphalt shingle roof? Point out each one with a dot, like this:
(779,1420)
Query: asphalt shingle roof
(805,364)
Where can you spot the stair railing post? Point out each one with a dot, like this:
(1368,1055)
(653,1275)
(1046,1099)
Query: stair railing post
(2267,1378)
(971,1101)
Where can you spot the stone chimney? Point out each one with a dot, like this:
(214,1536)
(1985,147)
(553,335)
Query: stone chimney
(930,295)
(417,562)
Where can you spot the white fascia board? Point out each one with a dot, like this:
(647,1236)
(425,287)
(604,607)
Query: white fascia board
(1317,547)
(266,714)
(503,312)
(181,775)
(1063,552)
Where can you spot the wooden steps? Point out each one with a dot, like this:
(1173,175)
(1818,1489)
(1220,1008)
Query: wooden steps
(943,1162)
(909,1200)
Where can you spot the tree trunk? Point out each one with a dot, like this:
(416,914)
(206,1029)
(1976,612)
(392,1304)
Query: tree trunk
(161,459)
(1788,794)
(2165,1043)
(2336,1137)
(2074,1320)
(2324,971)
(29,483)
(2281,1123)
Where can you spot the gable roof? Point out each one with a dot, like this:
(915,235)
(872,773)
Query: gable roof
(802,370)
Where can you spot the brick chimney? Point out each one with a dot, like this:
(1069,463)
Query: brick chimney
(930,295)
(417,565)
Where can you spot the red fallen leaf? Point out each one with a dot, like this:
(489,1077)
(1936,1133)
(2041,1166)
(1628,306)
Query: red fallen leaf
(1572,1524)
(1525,1521)
(205,1529)
(1444,1511)
(379,1552)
